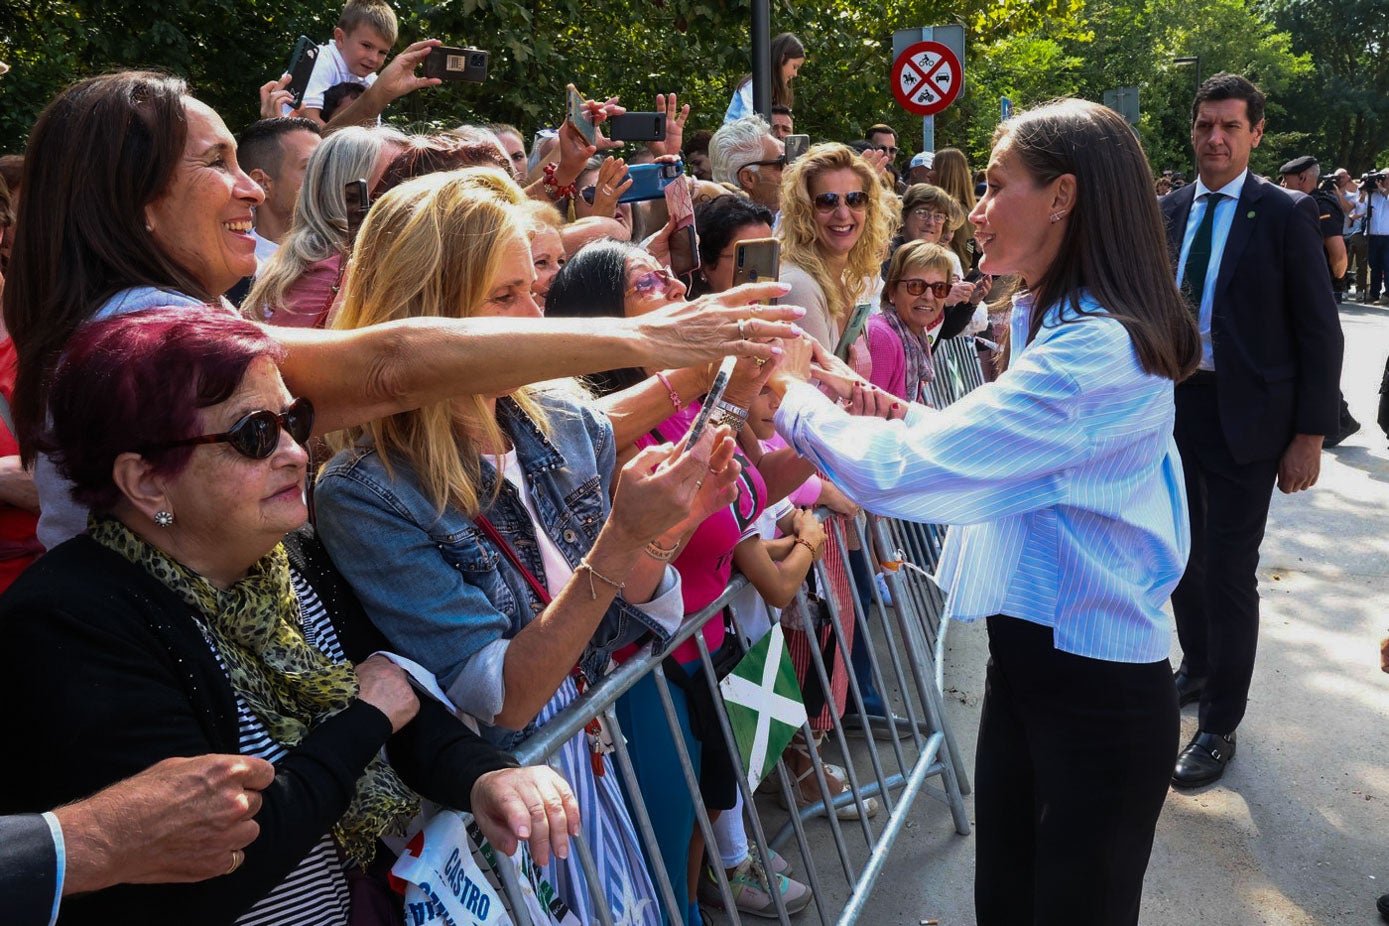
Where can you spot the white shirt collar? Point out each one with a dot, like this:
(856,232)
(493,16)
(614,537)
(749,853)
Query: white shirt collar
(1231,189)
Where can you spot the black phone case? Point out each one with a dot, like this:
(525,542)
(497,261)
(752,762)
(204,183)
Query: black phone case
(637,127)
(301,62)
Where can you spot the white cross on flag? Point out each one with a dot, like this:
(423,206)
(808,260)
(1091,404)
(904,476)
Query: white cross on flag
(764,704)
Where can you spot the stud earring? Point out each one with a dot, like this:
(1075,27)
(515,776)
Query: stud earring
(163,518)
(1057,216)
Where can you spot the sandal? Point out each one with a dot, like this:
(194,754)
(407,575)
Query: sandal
(836,779)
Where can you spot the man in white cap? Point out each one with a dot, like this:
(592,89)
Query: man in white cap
(922,169)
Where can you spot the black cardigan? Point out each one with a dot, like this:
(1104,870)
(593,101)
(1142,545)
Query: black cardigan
(108,673)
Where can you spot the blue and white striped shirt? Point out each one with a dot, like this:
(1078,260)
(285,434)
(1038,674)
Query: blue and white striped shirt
(1063,476)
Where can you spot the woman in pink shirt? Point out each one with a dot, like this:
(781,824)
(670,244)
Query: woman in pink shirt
(901,335)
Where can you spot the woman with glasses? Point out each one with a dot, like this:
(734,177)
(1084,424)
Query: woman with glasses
(199,615)
(901,335)
(930,214)
(1064,489)
(836,220)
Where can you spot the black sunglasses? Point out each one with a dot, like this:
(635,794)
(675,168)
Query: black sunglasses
(828,202)
(257,434)
(917,286)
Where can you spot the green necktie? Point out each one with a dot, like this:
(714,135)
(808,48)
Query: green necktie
(1198,259)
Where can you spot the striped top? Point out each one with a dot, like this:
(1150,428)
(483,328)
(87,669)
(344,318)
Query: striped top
(1063,475)
(315,892)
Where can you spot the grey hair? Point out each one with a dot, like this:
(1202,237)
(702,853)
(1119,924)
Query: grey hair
(736,144)
(319,229)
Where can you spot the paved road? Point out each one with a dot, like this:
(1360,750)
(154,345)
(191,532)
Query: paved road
(1298,830)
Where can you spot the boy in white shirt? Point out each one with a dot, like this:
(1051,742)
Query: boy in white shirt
(366,31)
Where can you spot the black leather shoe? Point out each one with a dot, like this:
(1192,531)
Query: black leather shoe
(1203,760)
(1189,688)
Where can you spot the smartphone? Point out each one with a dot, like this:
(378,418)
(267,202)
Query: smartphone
(637,127)
(448,63)
(711,400)
(355,193)
(301,62)
(756,260)
(578,115)
(649,181)
(852,329)
(796,146)
(684,240)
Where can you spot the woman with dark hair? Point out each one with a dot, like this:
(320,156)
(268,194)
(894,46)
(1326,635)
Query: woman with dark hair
(953,176)
(788,55)
(1066,488)
(722,223)
(134,199)
(198,615)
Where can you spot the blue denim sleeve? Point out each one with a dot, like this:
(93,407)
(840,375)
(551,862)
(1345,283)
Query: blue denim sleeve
(425,606)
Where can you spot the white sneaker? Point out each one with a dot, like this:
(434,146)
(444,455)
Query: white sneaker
(751,891)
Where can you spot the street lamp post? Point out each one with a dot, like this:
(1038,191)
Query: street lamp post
(1192,60)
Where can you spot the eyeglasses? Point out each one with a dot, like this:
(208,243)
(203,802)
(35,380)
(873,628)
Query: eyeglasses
(257,434)
(828,202)
(890,149)
(929,217)
(652,281)
(916,286)
(778,163)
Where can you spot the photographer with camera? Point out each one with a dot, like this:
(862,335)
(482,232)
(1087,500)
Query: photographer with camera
(1374,202)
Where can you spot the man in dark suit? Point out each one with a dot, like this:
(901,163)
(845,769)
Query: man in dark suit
(1248,256)
(179,820)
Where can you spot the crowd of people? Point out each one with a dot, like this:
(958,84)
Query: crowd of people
(286,400)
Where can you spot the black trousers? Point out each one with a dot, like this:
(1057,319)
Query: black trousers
(1216,604)
(1073,764)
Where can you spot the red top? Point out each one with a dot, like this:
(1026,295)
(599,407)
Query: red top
(18,545)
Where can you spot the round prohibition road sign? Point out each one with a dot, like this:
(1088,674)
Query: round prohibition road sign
(926,78)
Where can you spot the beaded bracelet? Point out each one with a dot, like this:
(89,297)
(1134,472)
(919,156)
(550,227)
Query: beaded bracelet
(553,189)
(814,550)
(670,390)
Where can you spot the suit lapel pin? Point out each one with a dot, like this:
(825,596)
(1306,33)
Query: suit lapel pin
(1249,214)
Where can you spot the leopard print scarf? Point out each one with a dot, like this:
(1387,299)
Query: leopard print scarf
(289,684)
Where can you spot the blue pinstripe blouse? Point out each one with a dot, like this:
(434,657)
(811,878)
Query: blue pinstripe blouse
(1062,476)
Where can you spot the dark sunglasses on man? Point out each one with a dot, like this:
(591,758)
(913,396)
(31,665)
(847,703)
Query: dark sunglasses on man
(257,434)
(778,163)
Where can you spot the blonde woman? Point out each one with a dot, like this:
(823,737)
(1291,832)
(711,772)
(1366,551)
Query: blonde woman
(300,284)
(836,221)
(954,177)
(523,577)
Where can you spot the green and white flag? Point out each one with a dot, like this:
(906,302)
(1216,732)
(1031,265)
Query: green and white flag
(764,703)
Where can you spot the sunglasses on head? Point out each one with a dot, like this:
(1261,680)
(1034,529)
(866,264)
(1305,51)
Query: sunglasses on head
(652,281)
(256,435)
(828,202)
(916,286)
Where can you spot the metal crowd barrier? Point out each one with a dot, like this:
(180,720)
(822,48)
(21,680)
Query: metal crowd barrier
(893,758)
(894,762)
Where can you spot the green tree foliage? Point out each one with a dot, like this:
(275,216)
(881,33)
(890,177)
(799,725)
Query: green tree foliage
(1028,50)
(1344,103)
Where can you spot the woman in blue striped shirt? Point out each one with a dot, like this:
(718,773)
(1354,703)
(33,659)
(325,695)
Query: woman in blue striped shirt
(1066,488)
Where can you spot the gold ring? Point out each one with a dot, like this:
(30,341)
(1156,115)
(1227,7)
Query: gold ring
(760,361)
(237,858)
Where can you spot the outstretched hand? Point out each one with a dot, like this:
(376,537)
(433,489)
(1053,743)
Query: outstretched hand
(712,327)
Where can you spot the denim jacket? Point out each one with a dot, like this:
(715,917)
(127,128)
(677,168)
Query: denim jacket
(442,592)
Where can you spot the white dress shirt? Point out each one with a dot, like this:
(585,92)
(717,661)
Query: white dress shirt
(1220,233)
